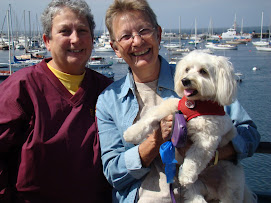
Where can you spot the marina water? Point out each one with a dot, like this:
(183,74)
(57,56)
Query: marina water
(254,93)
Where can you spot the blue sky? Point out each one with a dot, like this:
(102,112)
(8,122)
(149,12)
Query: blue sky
(222,12)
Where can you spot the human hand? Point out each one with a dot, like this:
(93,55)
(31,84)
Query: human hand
(149,148)
(166,127)
(227,152)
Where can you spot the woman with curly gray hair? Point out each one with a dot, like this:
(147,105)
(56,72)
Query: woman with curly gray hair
(49,145)
(79,7)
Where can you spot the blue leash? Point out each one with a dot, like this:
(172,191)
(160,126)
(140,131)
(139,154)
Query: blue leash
(167,153)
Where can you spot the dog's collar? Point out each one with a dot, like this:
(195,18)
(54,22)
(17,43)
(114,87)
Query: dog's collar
(193,109)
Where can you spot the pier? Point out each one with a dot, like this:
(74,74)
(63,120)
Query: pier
(258,35)
(265,148)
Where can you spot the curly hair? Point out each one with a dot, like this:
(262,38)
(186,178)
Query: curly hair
(54,7)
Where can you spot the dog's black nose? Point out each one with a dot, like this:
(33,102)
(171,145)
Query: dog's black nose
(186,82)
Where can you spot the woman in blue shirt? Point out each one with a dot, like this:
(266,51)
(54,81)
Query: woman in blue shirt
(136,171)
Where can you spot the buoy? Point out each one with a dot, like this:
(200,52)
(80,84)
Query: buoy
(254,68)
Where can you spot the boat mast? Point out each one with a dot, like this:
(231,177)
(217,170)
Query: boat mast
(241,32)
(9,47)
(262,28)
(211,31)
(235,24)
(11,31)
(195,33)
(25,38)
(269,33)
(30,34)
(180,38)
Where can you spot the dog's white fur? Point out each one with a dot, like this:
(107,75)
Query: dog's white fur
(212,77)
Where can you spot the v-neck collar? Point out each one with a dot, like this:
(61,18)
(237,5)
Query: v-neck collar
(75,99)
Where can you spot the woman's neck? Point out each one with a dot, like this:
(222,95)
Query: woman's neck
(148,74)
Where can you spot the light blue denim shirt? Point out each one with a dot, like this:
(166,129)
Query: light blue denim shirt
(117,108)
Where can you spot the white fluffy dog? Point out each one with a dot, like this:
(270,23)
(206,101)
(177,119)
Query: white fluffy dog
(202,80)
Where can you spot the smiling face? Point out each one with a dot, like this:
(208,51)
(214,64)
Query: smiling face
(70,43)
(141,52)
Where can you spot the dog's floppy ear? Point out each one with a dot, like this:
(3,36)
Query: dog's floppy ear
(177,79)
(226,83)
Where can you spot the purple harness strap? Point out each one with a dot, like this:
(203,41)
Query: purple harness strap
(171,193)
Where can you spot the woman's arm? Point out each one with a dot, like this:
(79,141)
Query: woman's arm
(13,124)
(121,161)
(124,163)
(247,140)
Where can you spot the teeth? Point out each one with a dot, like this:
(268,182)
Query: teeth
(141,53)
(75,51)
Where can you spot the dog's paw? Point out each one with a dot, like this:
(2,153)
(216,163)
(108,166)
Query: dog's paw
(127,137)
(196,199)
(136,133)
(131,134)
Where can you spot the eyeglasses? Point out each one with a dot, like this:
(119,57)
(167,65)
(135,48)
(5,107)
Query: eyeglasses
(144,33)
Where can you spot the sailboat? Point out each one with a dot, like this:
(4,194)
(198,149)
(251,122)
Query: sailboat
(5,73)
(265,48)
(195,40)
(262,48)
(169,46)
(261,42)
(211,36)
(180,49)
(104,43)
(172,46)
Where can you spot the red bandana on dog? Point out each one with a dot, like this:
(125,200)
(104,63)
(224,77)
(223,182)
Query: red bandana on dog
(193,109)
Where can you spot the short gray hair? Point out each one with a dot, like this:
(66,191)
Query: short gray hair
(53,8)
(121,6)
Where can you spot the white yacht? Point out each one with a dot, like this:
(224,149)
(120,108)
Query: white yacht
(231,34)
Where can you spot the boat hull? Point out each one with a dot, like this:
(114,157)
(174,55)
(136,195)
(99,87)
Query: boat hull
(263,48)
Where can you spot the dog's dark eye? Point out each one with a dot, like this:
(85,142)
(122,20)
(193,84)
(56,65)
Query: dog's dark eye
(203,72)
(187,69)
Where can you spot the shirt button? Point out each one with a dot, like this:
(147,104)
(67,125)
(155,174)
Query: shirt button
(160,88)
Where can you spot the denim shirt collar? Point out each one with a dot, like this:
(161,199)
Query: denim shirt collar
(128,84)
(163,81)
(164,75)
